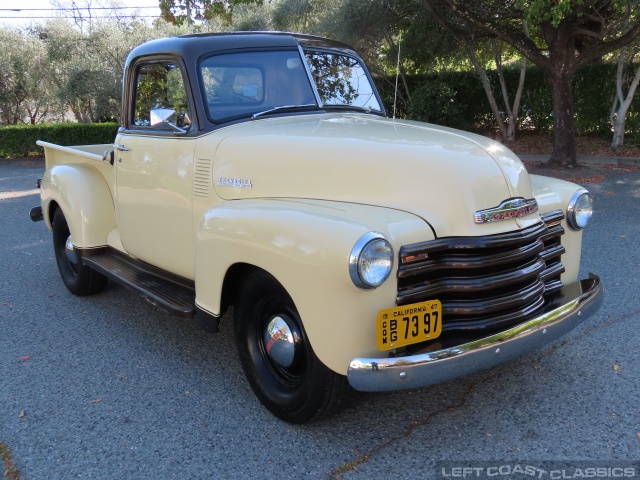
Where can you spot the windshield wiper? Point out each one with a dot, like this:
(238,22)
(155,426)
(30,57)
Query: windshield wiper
(284,108)
(351,107)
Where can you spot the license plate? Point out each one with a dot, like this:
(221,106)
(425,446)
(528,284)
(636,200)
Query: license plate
(408,324)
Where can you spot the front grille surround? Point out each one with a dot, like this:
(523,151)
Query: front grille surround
(487,282)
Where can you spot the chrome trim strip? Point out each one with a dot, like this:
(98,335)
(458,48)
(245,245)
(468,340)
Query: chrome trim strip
(312,81)
(581,299)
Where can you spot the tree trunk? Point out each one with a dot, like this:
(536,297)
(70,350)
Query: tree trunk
(515,110)
(618,131)
(512,111)
(564,125)
(486,83)
(619,115)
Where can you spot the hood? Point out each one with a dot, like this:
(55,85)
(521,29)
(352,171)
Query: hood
(441,175)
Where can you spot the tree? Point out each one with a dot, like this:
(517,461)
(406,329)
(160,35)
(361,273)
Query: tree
(25,96)
(468,38)
(13,76)
(565,36)
(179,12)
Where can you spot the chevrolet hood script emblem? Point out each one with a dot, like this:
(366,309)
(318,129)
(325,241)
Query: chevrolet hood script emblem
(510,208)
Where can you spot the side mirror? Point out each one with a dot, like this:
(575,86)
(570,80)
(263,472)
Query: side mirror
(167,116)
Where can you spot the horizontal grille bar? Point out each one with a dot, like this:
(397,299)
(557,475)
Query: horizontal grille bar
(485,283)
(466,261)
(415,252)
(517,299)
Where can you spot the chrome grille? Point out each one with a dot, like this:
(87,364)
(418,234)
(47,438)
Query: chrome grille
(485,282)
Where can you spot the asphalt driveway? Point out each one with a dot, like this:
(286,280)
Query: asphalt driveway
(109,387)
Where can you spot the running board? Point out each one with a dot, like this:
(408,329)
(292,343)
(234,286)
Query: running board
(174,294)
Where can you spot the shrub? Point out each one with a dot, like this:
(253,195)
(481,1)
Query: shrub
(436,102)
(593,92)
(20,140)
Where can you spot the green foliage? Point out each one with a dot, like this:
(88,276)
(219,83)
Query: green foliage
(548,11)
(594,89)
(470,108)
(437,102)
(179,12)
(536,106)
(555,11)
(20,140)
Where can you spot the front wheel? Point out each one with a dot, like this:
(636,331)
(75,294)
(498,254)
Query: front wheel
(78,278)
(277,358)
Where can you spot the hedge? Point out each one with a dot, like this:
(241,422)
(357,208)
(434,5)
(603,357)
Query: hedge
(594,90)
(20,140)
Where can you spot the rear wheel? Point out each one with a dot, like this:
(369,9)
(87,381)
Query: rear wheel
(276,356)
(78,278)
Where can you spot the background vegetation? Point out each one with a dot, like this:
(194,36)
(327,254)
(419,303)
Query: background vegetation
(68,70)
(20,140)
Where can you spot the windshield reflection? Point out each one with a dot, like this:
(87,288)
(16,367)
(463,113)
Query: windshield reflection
(341,81)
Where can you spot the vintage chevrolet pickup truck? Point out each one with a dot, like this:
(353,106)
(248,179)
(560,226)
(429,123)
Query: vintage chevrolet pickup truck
(260,171)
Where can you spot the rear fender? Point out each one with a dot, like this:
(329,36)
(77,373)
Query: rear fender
(85,199)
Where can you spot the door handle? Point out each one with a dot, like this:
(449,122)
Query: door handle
(122,148)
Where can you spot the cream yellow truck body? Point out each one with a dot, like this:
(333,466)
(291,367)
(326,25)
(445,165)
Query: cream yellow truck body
(291,195)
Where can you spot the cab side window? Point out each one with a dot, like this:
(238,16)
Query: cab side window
(160,85)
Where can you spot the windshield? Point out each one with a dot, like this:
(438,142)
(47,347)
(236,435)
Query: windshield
(238,85)
(256,84)
(341,81)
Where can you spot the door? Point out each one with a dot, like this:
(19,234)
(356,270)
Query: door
(154,176)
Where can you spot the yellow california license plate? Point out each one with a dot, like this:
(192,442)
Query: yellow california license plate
(409,324)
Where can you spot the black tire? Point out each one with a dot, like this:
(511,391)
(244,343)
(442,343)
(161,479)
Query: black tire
(78,278)
(304,391)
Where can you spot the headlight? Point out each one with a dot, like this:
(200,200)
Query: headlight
(579,210)
(371,261)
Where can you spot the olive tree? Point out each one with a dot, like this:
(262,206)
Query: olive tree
(24,89)
(13,75)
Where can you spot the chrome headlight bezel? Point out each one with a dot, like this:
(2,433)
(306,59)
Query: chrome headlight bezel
(357,271)
(578,212)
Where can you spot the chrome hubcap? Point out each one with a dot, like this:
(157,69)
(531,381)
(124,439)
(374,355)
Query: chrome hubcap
(70,251)
(282,341)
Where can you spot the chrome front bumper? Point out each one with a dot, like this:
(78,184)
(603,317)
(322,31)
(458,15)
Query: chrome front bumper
(577,302)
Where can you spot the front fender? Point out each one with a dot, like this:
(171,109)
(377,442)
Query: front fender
(84,196)
(555,194)
(306,245)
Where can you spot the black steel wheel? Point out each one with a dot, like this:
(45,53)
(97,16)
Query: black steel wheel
(78,278)
(276,356)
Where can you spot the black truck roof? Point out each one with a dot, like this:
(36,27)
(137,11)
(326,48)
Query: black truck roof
(192,47)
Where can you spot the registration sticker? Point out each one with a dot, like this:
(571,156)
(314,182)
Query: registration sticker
(408,324)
